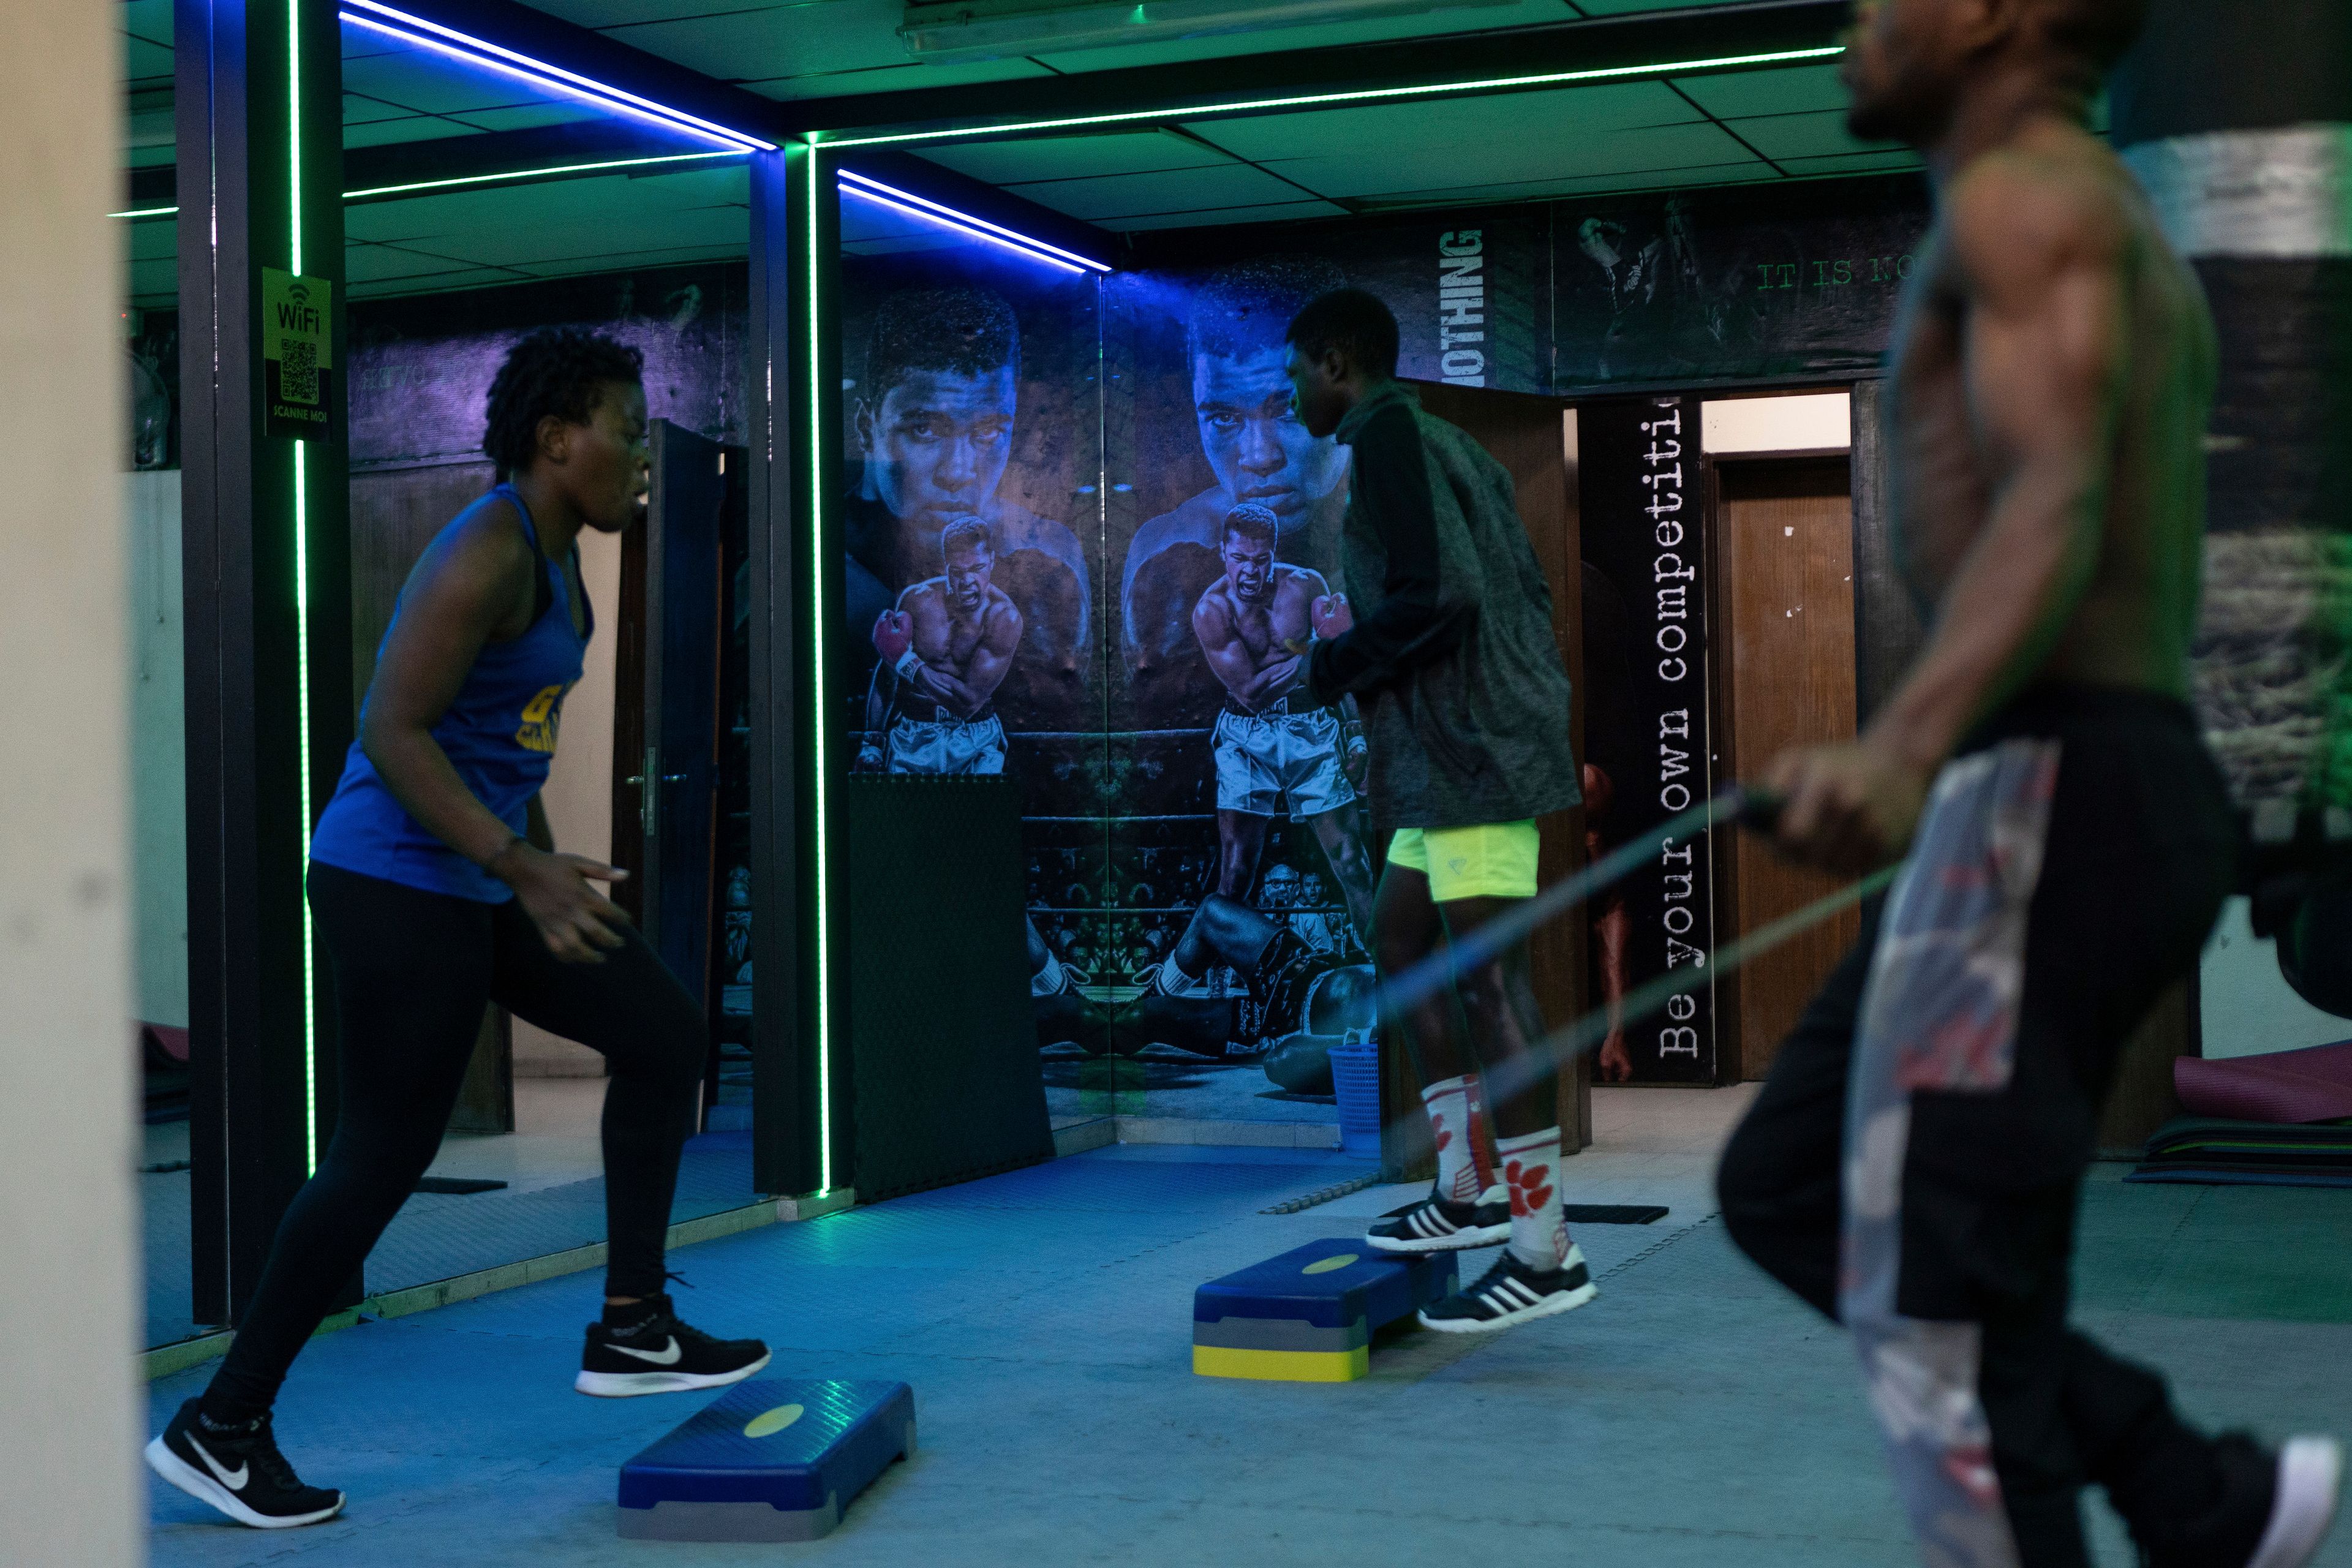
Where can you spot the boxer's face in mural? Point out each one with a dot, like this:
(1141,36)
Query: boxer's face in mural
(1249,566)
(1258,450)
(937,443)
(969,562)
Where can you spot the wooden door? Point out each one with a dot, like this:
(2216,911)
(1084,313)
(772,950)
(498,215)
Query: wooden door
(1784,532)
(1532,438)
(395,513)
(666,744)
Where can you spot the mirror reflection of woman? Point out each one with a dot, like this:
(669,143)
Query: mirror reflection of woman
(438,890)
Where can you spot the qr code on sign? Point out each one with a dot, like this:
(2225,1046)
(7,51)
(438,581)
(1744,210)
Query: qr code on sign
(297,371)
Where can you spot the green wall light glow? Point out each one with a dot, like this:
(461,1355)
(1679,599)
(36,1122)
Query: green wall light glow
(1360,95)
(460,181)
(821,744)
(302,610)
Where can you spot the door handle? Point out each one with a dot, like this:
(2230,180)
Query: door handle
(649,798)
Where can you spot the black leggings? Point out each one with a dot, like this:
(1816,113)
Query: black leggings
(413,972)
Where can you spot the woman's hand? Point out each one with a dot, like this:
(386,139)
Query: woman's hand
(578,923)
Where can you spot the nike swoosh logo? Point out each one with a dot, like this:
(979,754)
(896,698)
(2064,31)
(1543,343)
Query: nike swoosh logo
(666,1357)
(233,1479)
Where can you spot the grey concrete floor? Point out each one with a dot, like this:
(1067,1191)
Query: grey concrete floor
(1692,1415)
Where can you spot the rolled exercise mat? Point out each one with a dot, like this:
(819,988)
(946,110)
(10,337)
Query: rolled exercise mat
(2314,1084)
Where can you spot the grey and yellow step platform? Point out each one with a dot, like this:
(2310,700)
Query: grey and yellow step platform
(774,1459)
(1309,1315)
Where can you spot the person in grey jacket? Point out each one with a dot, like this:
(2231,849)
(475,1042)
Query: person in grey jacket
(1465,706)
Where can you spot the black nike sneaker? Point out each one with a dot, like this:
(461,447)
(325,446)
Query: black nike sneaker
(238,1470)
(1440,1225)
(1511,1292)
(660,1354)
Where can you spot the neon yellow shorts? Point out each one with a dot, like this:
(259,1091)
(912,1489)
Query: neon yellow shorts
(1496,860)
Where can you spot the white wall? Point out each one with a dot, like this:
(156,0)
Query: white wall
(1801,422)
(579,790)
(159,753)
(2244,1008)
(70,1489)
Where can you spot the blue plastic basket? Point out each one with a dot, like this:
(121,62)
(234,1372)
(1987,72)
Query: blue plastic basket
(1356,1078)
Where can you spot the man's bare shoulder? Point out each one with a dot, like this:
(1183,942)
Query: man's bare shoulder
(999,613)
(2017,217)
(923,594)
(1214,612)
(1298,581)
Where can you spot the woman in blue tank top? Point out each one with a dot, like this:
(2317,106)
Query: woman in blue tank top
(438,890)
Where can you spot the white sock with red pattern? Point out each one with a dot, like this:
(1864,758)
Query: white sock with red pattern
(1538,1228)
(1457,1139)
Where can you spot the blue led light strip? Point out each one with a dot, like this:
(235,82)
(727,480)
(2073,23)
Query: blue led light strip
(465,47)
(856,185)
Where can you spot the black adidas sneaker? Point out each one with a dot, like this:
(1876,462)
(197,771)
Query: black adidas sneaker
(660,1354)
(1511,1292)
(1440,1225)
(239,1471)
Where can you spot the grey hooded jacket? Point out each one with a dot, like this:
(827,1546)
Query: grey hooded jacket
(1451,659)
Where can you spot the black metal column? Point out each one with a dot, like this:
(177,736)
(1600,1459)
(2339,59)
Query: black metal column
(262,562)
(799,1078)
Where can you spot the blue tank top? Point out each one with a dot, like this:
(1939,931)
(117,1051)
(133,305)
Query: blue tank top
(499,734)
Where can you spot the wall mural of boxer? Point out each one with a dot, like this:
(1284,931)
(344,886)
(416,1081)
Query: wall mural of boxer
(1081,522)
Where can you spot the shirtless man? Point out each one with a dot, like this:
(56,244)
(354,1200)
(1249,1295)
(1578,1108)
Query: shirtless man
(2069,840)
(1275,748)
(943,651)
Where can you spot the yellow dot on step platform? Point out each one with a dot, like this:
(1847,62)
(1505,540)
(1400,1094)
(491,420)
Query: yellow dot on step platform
(768,1422)
(1325,1265)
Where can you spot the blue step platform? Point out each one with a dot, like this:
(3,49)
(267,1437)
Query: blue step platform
(1309,1315)
(769,1460)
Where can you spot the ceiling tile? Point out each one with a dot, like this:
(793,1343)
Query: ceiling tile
(1855,163)
(634,260)
(611,199)
(1512,160)
(417,128)
(456,277)
(150,20)
(1280,212)
(1073,157)
(1822,136)
(1629,7)
(1478,123)
(361,109)
(1791,90)
(1318,36)
(1745,171)
(152,285)
(145,60)
(740,44)
(1123,195)
(371,263)
(895,78)
(623,13)
(151,239)
(588,233)
(525,116)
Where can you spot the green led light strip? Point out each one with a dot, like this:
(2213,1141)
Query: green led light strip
(302,614)
(461,179)
(458,181)
(1359,95)
(820,746)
